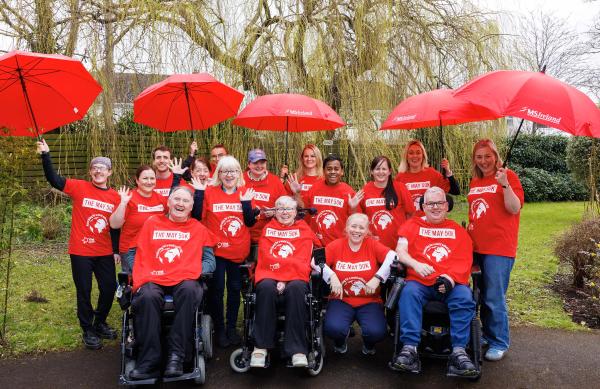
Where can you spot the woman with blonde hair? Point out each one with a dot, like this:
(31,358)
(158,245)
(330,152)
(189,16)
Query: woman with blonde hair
(310,171)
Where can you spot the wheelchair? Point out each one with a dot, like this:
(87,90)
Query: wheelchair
(240,358)
(435,332)
(195,365)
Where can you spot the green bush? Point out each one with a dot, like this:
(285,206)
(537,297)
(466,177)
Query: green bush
(577,248)
(35,223)
(540,185)
(580,158)
(545,152)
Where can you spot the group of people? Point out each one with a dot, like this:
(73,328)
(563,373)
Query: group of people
(184,218)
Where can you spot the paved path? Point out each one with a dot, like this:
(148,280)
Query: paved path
(538,359)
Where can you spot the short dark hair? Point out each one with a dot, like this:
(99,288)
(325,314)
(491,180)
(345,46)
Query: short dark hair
(142,169)
(331,158)
(161,148)
(220,146)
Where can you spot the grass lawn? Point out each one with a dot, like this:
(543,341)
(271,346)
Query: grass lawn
(38,327)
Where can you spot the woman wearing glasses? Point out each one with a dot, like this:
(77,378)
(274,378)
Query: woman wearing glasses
(495,201)
(226,208)
(283,268)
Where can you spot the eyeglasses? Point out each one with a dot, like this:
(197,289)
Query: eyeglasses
(98,168)
(284,209)
(435,204)
(229,172)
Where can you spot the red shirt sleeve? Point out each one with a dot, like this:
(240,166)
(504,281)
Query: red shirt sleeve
(404,194)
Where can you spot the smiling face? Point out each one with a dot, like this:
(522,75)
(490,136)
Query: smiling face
(180,205)
(200,171)
(333,172)
(229,177)
(146,181)
(382,172)
(309,159)
(216,154)
(258,168)
(435,206)
(99,174)
(161,161)
(356,229)
(486,161)
(414,158)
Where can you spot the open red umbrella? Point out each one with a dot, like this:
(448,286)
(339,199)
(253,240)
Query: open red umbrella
(290,113)
(534,96)
(186,102)
(40,92)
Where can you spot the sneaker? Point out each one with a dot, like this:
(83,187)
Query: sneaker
(299,360)
(91,340)
(222,340)
(368,351)
(494,354)
(104,331)
(460,365)
(258,357)
(341,349)
(407,360)
(234,338)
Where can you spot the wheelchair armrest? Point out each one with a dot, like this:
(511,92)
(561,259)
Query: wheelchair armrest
(124,278)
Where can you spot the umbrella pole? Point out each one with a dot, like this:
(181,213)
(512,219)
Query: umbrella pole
(443,171)
(187,100)
(512,144)
(287,123)
(28,103)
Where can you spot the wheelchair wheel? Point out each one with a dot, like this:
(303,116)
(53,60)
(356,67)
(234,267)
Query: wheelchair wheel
(206,325)
(238,362)
(319,361)
(475,343)
(202,372)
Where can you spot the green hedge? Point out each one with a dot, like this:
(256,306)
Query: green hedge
(547,152)
(540,185)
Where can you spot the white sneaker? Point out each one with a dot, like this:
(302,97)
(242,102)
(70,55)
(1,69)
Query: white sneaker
(299,360)
(258,357)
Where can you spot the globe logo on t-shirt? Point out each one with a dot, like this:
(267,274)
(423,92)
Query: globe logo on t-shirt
(282,249)
(479,208)
(354,286)
(97,223)
(381,220)
(326,219)
(436,252)
(231,226)
(168,253)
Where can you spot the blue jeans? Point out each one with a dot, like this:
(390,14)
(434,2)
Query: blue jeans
(495,271)
(127,260)
(217,291)
(340,316)
(414,296)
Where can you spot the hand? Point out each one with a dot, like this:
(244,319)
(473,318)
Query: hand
(336,286)
(502,177)
(248,195)
(442,288)
(197,184)
(268,212)
(280,287)
(372,285)
(175,166)
(354,201)
(423,269)
(193,148)
(117,258)
(283,171)
(125,194)
(295,186)
(42,146)
(446,167)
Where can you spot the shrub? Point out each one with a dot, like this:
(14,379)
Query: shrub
(52,222)
(579,156)
(540,185)
(545,152)
(573,248)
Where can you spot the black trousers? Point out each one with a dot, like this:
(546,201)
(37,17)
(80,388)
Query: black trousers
(103,268)
(147,304)
(296,316)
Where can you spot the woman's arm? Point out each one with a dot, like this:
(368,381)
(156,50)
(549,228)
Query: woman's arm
(248,212)
(209,263)
(198,204)
(52,177)
(117,219)
(512,204)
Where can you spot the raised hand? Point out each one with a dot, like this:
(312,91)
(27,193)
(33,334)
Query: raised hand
(193,148)
(125,194)
(197,184)
(502,177)
(283,171)
(354,201)
(247,195)
(446,167)
(42,146)
(295,186)
(175,166)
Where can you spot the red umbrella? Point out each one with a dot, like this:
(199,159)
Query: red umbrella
(186,102)
(534,96)
(40,92)
(290,113)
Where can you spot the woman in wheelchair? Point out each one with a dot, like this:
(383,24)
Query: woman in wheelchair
(282,273)
(437,253)
(355,267)
(171,255)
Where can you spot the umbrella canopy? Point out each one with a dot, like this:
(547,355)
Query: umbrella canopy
(40,92)
(186,102)
(435,108)
(288,112)
(534,96)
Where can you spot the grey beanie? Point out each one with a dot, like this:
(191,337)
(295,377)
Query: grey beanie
(101,161)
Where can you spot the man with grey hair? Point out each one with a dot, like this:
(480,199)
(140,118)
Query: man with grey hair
(438,255)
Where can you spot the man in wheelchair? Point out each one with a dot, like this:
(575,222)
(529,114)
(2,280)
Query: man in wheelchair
(437,253)
(173,250)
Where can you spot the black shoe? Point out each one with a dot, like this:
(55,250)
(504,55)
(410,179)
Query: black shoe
(143,374)
(174,366)
(222,340)
(460,365)
(104,331)
(407,360)
(234,338)
(91,340)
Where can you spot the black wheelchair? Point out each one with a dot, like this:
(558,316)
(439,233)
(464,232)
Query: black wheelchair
(435,332)
(195,365)
(240,358)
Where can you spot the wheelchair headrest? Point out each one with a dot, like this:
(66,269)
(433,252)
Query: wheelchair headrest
(319,255)
(449,199)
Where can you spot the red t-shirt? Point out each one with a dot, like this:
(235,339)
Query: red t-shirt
(331,203)
(418,183)
(138,210)
(90,229)
(445,246)
(222,214)
(169,252)
(267,191)
(284,252)
(355,269)
(384,223)
(493,229)
(163,185)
